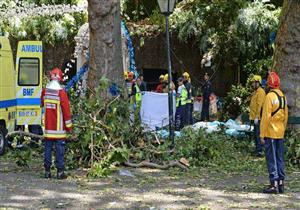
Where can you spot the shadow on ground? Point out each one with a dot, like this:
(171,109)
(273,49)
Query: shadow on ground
(147,189)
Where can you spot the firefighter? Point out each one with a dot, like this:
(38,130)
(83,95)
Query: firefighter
(181,98)
(159,88)
(257,100)
(189,102)
(57,122)
(206,91)
(272,129)
(129,82)
(166,84)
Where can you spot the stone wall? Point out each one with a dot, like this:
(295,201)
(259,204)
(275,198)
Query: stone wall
(55,56)
(185,57)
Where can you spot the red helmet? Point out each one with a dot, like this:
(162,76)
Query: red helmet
(273,80)
(56,74)
(130,75)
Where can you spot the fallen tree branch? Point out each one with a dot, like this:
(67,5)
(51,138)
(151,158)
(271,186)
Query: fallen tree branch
(23,134)
(157,166)
(31,135)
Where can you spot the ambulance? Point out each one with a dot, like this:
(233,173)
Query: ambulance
(20,87)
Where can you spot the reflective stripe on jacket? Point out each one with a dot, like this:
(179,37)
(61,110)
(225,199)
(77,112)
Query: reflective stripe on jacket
(256,104)
(138,94)
(273,126)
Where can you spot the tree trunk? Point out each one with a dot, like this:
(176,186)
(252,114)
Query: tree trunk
(287,54)
(105,42)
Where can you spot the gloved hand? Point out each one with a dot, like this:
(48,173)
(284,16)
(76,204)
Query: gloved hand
(256,121)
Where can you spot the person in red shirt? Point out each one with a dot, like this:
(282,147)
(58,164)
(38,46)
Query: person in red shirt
(160,86)
(57,122)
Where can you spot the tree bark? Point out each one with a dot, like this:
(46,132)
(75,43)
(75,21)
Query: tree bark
(105,42)
(287,54)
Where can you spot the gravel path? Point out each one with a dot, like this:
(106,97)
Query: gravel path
(147,189)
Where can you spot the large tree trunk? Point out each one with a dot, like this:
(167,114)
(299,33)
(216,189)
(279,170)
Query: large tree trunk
(105,42)
(287,54)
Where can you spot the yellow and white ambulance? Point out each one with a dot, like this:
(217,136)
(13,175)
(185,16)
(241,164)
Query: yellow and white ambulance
(20,87)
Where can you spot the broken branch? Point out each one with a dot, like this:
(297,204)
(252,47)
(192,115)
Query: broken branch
(157,166)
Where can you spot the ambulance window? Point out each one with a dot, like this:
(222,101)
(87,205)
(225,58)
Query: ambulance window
(29,73)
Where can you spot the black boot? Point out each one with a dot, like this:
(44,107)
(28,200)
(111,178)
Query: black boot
(281,186)
(47,174)
(272,189)
(61,174)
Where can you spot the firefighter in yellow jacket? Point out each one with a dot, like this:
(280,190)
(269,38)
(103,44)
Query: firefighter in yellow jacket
(272,129)
(257,100)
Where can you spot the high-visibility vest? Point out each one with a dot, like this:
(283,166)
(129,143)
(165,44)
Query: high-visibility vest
(182,99)
(138,94)
(137,98)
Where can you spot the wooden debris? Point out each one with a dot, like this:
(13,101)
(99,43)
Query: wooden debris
(147,164)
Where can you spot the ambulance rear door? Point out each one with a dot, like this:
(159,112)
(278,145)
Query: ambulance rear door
(29,62)
(7,86)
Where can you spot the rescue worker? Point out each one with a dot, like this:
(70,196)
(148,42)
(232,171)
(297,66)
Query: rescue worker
(159,87)
(272,129)
(136,94)
(57,122)
(143,85)
(206,91)
(166,86)
(189,102)
(181,98)
(129,82)
(257,100)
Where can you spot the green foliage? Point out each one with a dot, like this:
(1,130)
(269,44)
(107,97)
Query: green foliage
(237,32)
(200,148)
(252,29)
(207,21)
(23,156)
(133,10)
(293,151)
(49,28)
(237,101)
(215,150)
(41,2)
(258,66)
(104,167)
(156,18)
(104,131)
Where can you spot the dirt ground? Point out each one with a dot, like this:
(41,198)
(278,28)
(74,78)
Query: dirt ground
(142,189)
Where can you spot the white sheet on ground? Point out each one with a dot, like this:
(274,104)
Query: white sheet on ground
(232,126)
(154,110)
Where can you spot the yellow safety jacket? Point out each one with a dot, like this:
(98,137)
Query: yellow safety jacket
(275,115)
(256,103)
(181,100)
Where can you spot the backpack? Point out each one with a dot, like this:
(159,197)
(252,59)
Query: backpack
(282,103)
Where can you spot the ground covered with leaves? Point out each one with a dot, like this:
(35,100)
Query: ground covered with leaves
(236,184)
